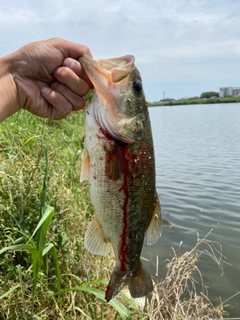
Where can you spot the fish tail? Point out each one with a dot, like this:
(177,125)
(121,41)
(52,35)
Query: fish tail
(139,283)
(117,281)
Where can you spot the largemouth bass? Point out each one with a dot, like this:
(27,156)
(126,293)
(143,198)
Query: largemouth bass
(118,161)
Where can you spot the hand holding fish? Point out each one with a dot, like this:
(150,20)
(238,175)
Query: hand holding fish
(44,78)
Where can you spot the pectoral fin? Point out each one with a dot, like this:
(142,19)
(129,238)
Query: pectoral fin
(94,240)
(153,231)
(113,160)
(85,169)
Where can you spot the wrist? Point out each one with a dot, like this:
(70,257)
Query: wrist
(8,90)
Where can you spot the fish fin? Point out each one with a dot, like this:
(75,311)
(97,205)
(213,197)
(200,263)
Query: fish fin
(139,283)
(95,241)
(85,166)
(117,281)
(114,160)
(153,231)
(166,223)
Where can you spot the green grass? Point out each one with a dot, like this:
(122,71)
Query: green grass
(45,272)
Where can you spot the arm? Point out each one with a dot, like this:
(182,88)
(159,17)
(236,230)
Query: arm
(44,78)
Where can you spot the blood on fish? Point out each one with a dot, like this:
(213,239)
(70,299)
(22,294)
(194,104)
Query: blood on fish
(123,253)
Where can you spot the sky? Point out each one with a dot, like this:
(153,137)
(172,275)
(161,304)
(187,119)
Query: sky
(182,47)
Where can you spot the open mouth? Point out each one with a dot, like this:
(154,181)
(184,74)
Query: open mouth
(114,69)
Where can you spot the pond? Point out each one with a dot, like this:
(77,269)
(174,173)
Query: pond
(197,149)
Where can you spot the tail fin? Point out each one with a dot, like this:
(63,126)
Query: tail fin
(139,283)
(117,281)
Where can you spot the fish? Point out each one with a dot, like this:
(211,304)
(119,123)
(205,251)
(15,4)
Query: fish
(118,162)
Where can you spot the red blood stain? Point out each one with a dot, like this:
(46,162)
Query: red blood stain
(123,253)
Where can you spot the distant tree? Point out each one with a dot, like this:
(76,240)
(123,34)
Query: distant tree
(167,99)
(193,98)
(209,94)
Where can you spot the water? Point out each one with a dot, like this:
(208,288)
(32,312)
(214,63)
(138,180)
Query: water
(197,150)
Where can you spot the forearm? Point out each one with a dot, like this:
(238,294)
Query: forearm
(8,90)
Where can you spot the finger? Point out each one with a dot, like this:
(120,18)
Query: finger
(70,49)
(75,100)
(77,68)
(61,107)
(74,49)
(74,65)
(70,79)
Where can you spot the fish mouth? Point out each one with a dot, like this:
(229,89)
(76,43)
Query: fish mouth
(110,78)
(113,70)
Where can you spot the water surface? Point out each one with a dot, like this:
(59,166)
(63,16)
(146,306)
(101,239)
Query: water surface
(197,150)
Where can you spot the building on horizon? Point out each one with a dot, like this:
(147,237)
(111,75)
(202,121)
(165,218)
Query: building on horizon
(229,91)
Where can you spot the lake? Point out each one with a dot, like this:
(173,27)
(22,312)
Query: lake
(197,149)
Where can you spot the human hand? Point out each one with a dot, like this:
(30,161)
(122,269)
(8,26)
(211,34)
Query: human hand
(50,81)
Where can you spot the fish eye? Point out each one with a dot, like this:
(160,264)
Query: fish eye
(137,86)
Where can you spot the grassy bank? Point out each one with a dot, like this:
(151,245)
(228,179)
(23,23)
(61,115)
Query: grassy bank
(23,142)
(195,101)
(45,272)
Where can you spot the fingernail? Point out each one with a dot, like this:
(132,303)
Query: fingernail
(68,62)
(46,90)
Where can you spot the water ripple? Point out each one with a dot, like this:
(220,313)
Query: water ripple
(197,152)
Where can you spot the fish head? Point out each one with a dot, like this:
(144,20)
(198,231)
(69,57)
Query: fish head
(120,107)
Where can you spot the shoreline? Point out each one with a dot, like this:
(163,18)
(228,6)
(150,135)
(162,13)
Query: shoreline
(195,101)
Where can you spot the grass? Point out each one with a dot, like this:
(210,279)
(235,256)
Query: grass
(44,214)
(45,271)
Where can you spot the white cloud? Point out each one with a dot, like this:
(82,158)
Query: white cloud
(178,42)
(17,17)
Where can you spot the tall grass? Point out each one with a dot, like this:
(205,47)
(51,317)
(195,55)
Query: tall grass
(37,248)
(44,213)
(45,271)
